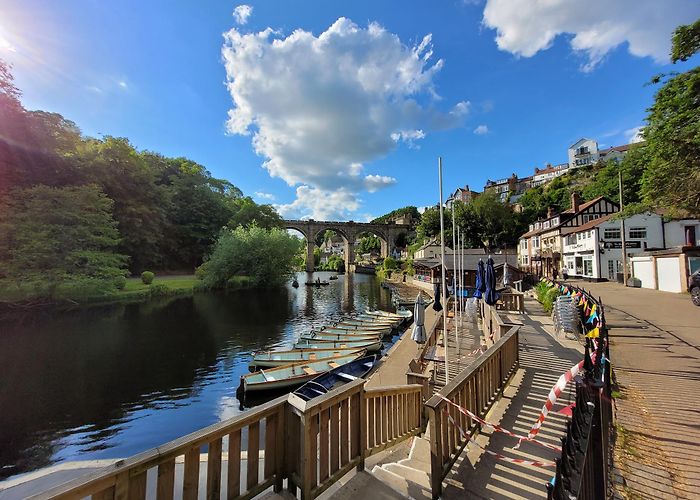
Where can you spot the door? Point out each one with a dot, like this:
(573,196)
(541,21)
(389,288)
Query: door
(611,270)
(690,235)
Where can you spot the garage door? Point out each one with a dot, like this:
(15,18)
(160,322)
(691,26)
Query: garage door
(669,274)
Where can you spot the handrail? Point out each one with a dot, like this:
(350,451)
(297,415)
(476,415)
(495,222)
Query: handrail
(475,388)
(128,477)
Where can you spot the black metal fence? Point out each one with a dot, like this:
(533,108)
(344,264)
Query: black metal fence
(584,468)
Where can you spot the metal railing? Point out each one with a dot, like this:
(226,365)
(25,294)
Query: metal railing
(584,468)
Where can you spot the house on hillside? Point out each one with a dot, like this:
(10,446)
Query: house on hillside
(510,188)
(548,173)
(583,152)
(465,195)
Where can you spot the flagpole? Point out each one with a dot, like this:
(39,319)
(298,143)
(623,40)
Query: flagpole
(443,282)
(454,278)
(461,276)
(459,271)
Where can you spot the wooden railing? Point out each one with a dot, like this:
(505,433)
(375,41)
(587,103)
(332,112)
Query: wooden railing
(476,389)
(333,433)
(492,325)
(310,443)
(512,301)
(128,479)
(431,340)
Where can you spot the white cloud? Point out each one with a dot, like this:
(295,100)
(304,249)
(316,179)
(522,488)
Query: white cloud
(524,27)
(123,84)
(264,196)
(481,130)
(634,135)
(314,203)
(242,13)
(320,108)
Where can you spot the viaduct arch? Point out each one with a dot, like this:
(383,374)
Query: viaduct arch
(387,234)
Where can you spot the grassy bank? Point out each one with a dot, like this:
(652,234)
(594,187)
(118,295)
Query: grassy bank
(134,290)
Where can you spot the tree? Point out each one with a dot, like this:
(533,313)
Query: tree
(368,244)
(672,174)
(409,210)
(247,213)
(487,222)
(606,179)
(267,256)
(57,238)
(429,225)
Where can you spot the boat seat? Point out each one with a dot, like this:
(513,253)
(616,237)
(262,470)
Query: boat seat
(312,355)
(309,371)
(347,376)
(268,378)
(333,364)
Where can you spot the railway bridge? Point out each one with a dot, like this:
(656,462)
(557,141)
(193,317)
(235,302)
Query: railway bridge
(349,231)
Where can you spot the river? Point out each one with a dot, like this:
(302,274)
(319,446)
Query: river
(111,381)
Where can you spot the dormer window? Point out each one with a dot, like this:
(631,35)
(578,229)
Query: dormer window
(555,221)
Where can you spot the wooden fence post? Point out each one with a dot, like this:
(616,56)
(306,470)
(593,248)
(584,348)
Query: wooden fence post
(435,453)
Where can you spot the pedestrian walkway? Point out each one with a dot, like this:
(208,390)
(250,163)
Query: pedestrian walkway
(655,351)
(460,355)
(542,360)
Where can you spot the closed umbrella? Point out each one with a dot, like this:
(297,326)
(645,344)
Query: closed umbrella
(490,295)
(436,304)
(480,285)
(419,321)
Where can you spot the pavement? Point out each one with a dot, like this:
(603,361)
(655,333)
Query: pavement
(655,351)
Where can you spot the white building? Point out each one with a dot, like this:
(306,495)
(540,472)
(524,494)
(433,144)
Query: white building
(583,152)
(548,173)
(594,250)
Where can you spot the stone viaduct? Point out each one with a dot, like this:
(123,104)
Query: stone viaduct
(387,234)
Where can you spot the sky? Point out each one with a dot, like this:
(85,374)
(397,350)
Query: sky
(339,110)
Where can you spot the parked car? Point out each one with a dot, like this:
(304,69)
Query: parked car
(694,287)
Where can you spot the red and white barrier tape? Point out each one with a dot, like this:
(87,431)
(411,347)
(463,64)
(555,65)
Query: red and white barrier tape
(497,427)
(493,453)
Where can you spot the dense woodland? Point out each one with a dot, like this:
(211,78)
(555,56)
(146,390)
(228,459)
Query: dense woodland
(74,206)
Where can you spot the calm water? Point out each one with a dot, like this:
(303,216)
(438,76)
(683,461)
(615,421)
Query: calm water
(112,381)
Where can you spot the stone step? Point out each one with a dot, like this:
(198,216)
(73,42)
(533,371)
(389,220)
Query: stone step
(416,476)
(394,481)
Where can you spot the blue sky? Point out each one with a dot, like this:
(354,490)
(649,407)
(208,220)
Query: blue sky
(345,118)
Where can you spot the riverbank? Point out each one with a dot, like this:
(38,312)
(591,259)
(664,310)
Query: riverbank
(134,291)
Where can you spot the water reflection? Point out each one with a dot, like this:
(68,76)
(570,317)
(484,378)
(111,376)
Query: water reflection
(112,381)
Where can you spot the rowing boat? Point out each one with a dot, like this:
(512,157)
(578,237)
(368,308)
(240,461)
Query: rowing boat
(314,335)
(370,345)
(270,359)
(356,331)
(348,372)
(292,375)
(394,322)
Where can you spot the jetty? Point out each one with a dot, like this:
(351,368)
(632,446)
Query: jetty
(406,431)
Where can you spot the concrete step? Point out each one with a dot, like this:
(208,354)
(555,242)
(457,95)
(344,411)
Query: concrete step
(419,456)
(416,476)
(394,481)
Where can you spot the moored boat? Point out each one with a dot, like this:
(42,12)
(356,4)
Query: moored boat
(370,345)
(314,335)
(292,375)
(336,377)
(356,331)
(365,322)
(394,322)
(271,359)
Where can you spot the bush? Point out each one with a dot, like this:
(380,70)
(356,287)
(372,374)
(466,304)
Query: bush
(159,289)
(120,282)
(546,296)
(147,277)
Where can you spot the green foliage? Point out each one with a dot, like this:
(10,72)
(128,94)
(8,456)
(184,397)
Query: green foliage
(334,263)
(391,264)
(408,267)
(248,213)
(147,277)
(53,238)
(486,222)
(672,176)
(605,180)
(120,282)
(368,244)
(429,225)
(409,210)
(685,42)
(546,296)
(317,256)
(266,256)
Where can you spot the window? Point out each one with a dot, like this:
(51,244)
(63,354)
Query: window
(536,242)
(638,232)
(555,221)
(611,233)
(571,239)
(525,259)
(523,244)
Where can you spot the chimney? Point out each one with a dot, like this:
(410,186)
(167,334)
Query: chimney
(550,212)
(575,199)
